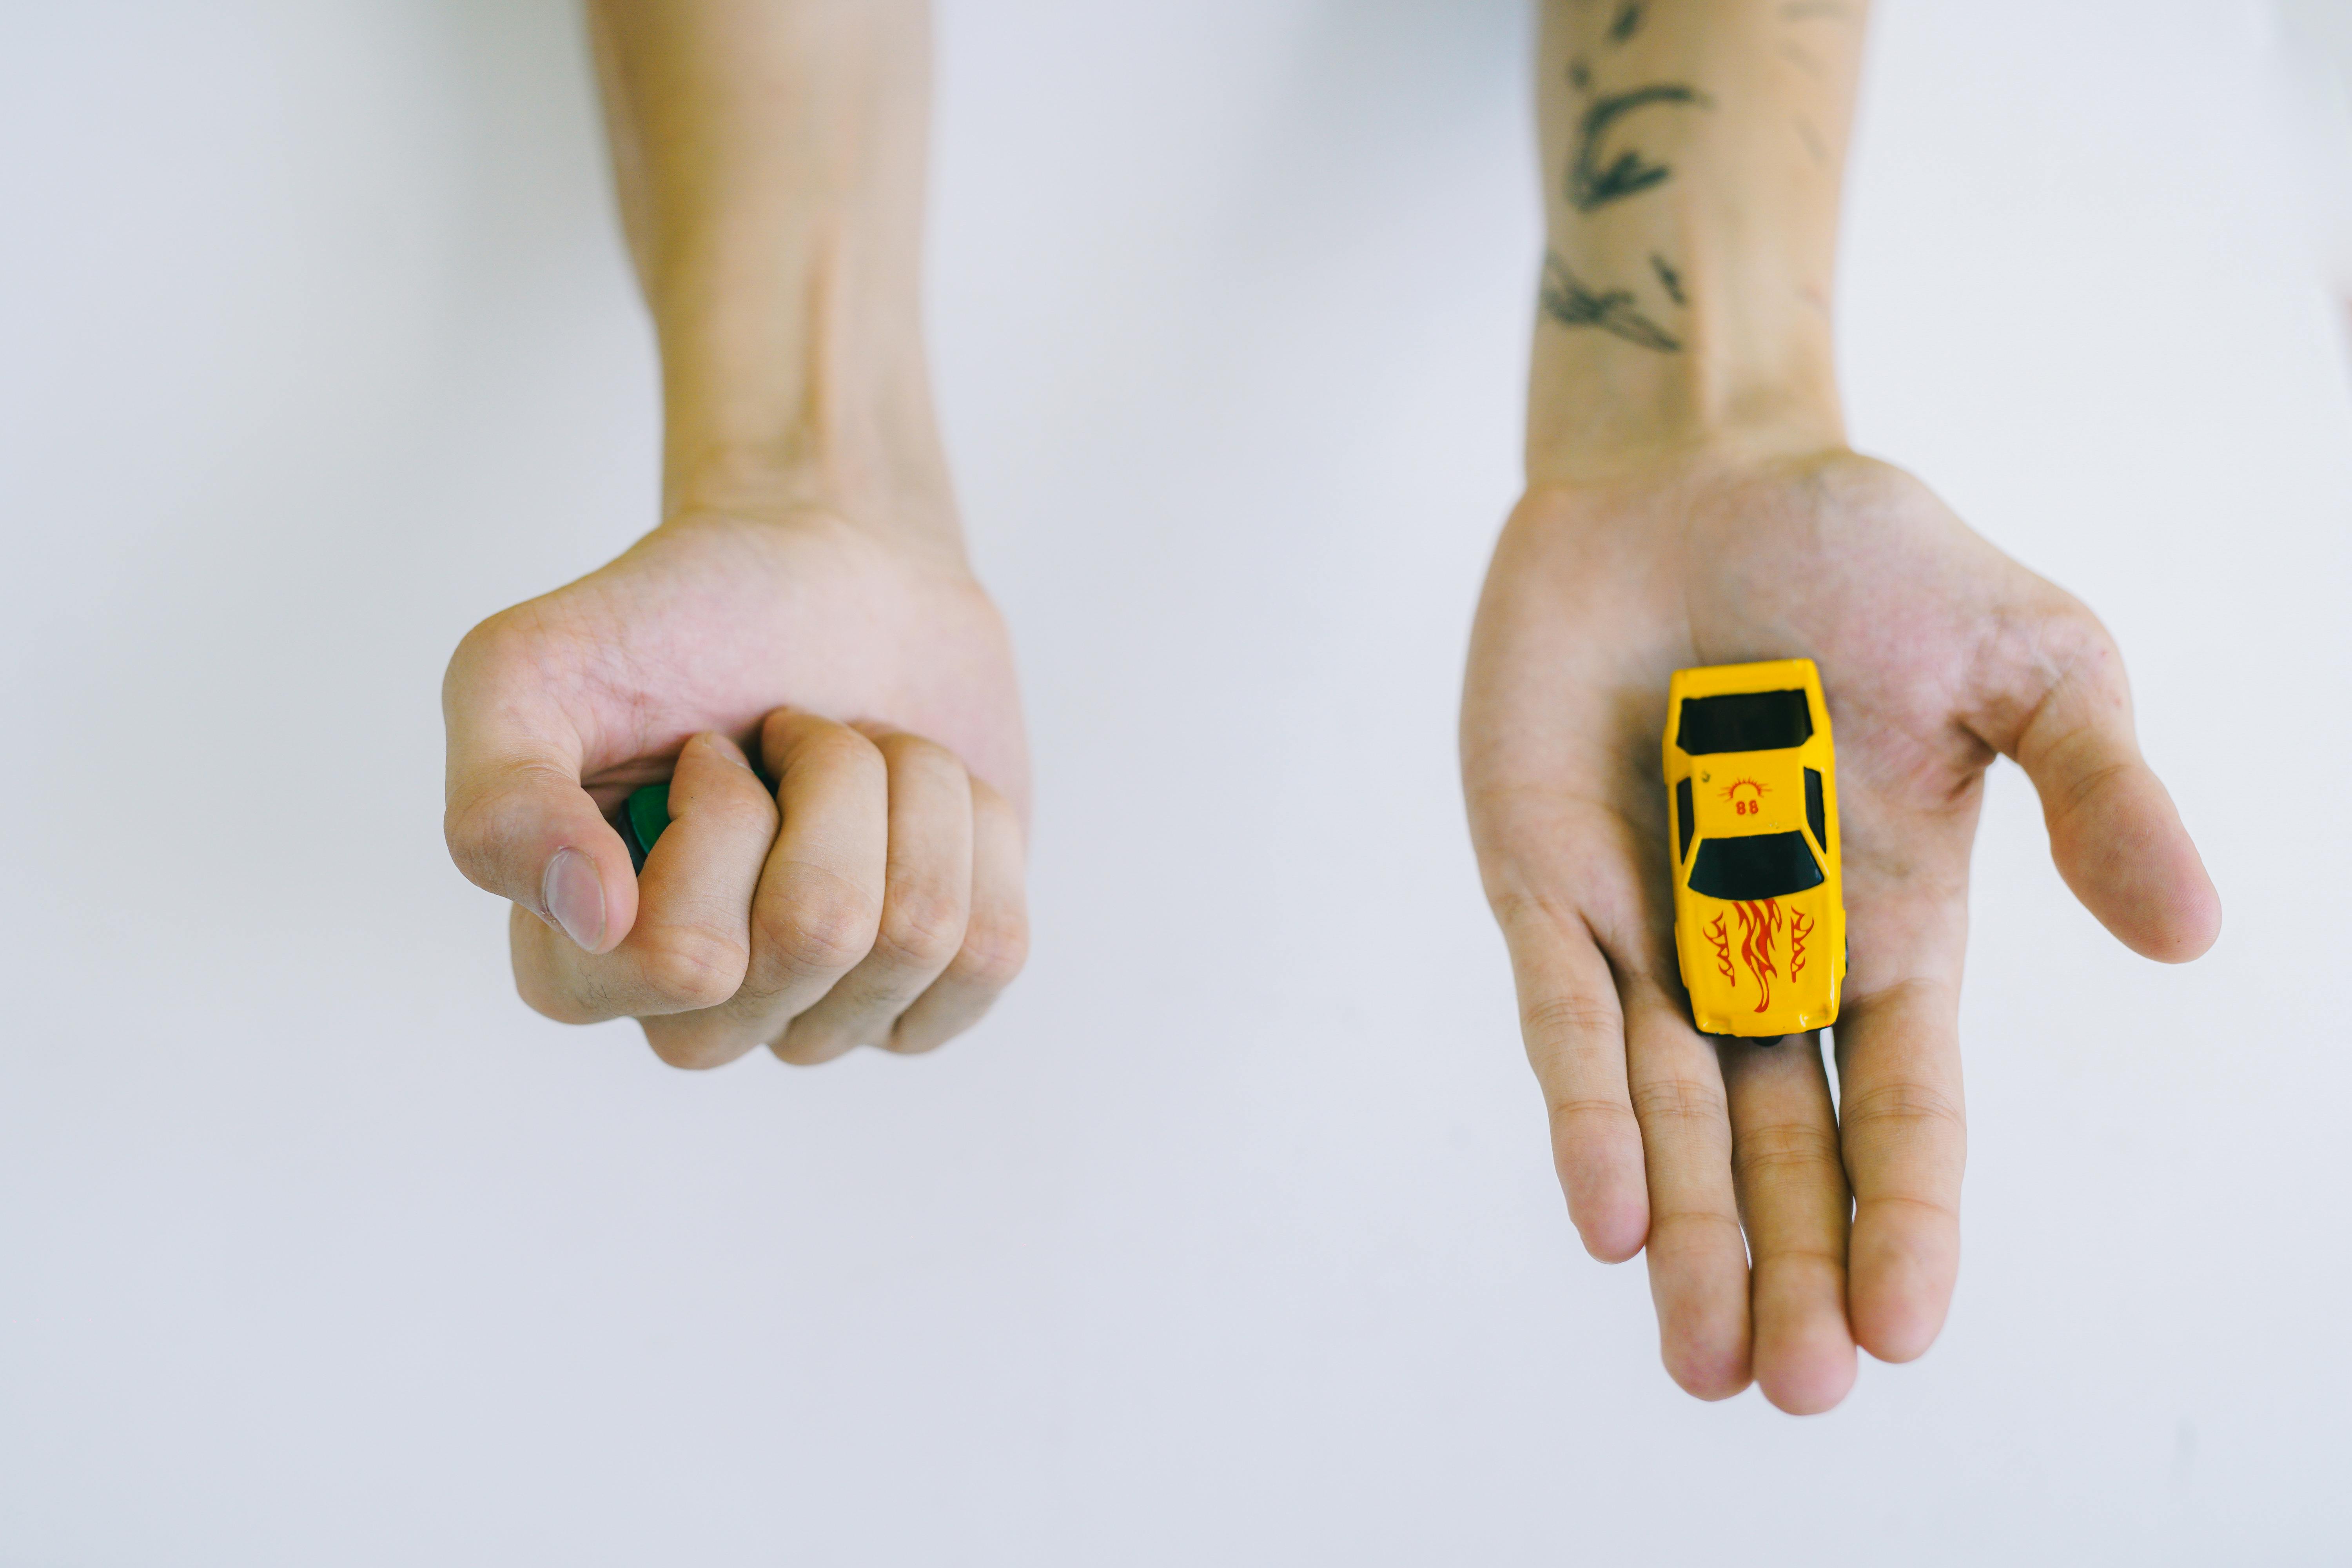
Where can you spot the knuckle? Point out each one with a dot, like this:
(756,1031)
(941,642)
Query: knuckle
(801,1048)
(471,825)
(2086,786)
(2077,644)
(1919,1206)
(2081,695)
(687,1048)
(1782,1253)
(1903,1111)
(521,644)
(1677,1101)
(1869,485)
(1796,1146)
(994,950)
(1584,1115)
(543,996)
(922,927)
(827,746)
(490,644)
(741,809)
(478,824)
(989,803)
(1573,1018)
(539,982)
(922,1038)
(906,750)
(1517,908)
(691,968)
(824,927)
(485,824)
(1689,1231)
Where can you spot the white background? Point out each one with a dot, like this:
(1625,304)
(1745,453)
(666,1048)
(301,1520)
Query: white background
(1232,1237)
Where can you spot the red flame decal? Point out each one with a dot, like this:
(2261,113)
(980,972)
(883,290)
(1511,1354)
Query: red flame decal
(1801,926)
(1715,934)
(1760,923)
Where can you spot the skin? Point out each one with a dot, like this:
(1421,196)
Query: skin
(1697,504)
(806,599)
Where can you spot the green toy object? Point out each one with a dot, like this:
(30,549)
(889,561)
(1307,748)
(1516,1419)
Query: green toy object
(642,817)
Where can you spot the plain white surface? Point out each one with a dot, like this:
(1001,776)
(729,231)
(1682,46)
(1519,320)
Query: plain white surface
(1232,1237)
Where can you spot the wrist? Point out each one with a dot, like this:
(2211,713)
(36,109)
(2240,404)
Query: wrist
(794,379)
(769,161)
(1692,168)
(1744,364)
(1663,482)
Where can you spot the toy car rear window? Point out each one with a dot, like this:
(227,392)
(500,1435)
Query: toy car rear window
(1745,721)
(1761,866)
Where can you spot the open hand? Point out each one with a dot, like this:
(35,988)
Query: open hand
(1937,652)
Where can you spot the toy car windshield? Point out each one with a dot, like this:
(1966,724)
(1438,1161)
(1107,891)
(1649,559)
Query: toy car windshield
(1745,721)
(1757,866)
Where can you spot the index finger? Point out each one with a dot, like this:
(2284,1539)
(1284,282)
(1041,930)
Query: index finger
(688,950)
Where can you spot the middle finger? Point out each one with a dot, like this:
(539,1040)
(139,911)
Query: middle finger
(1698,1263)
(1793,1199)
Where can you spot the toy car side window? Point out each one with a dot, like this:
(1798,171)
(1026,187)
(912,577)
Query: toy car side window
(1745,721)
(1682,820)
(1817,812)
(1757,866)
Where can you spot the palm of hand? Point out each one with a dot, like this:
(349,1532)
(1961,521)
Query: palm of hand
(1936,652)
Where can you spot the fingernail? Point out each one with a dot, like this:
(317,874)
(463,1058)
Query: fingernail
(574,896)
(726,747)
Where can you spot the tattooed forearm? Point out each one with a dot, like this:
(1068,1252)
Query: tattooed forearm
(1590,183)
(1691,154)
(1569,301)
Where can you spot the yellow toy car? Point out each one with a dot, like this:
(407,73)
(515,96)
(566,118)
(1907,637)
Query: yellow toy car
(1760,902)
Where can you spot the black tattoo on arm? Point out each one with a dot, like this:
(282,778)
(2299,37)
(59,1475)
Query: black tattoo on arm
(1668,278)
(1567,301)
(1592,185)
(1595,178)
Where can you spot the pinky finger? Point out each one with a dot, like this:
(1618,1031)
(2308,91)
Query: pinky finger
(995,940)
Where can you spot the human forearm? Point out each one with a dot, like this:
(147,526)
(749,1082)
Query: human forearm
(1691,501)
(1693,154)
(770,158)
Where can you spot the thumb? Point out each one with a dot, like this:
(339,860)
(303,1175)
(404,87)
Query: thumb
(518,822)
(2114,832)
